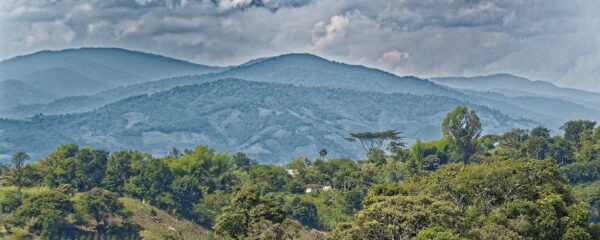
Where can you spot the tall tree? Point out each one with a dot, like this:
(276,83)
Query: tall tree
(574,129)
(17,161)
(462,128)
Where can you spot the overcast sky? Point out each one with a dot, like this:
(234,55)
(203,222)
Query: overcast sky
(553,40)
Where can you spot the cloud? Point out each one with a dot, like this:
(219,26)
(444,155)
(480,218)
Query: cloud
(49,32)
(551,40)
(326,33)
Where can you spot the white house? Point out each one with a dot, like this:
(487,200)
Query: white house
(316,187)
(312,187)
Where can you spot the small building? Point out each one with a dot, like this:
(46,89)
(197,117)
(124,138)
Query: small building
(308,188)
(292,172)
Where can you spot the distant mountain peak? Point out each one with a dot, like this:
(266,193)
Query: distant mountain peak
(507,75)
(105,50)
(296,57)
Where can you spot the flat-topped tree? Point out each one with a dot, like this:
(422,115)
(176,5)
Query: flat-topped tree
(376,140)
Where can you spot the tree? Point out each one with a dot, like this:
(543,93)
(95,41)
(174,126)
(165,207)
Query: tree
(514,199)
(53,168)
(121,165)
(304,211)
(596,136)
(462,128)
(299,165)
(17,161)
(376,140)
(186,192)
(153,180)
(536,147)
(210,207)
(561,150)
(512,144)
(573,129)
(436,233)
(249,214)
(323,153)
(44,212)
(269,178)
(399,217)
(175,153)
(99,205)
(241,160)
(88,167)
(540,132)
(376,156)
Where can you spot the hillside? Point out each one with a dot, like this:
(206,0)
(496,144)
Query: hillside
(271,122)
(13,93)
(156,224)
(516,86)
(151,222)
(87,71)
(550,193)
(311,70)
(297,69)
(120,117)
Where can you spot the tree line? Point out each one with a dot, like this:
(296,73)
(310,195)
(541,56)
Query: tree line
(523,184)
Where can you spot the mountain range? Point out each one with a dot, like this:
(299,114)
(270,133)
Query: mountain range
(273,108)
(50,75)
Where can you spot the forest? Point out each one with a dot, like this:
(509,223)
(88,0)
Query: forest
(522,184)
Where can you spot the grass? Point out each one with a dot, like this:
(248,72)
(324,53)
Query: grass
(153,222)
(157,224)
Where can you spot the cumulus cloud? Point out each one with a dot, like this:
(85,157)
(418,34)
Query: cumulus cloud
(553,40)
(326,33)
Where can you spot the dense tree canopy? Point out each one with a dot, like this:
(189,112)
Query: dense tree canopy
(524,198)
(522,184)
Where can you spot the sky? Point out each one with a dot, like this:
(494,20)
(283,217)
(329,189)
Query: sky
(552,40)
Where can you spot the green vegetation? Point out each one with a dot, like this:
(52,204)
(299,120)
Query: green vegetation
(156,224)
(523,184)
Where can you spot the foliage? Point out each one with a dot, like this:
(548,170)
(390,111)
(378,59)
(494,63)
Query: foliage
(98,204)
(507,186)
(376,140)
(462,128)
(574,129)
(527,197)
(251,216)
(44,213)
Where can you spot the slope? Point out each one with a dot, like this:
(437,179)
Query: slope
(518,86)
(90,70)
(272,122)
(13,93)
(157,224)
(300,70)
